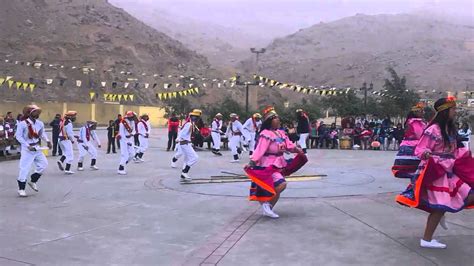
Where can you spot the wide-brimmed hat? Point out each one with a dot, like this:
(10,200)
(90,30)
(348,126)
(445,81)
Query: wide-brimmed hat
(130,114)
(195,112)
(70,113)
(450,103)
(30,109)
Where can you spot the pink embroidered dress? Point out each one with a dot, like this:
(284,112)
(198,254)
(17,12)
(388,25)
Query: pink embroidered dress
(444,181)
(271,166)
(406,162)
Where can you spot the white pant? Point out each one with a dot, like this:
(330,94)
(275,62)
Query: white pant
(27,159)
(302,140)
(66,147)
(127,152)
(250,140)
(216,140)
(143,144)
(234,144)
(186,150)
(92,151)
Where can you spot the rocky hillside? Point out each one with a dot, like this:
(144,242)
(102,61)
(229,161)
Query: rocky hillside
(89,33)
(432,54)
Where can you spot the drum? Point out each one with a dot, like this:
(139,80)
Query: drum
(345,144)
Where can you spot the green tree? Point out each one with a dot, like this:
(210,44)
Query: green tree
(398,99)
(180,106)
(345,104)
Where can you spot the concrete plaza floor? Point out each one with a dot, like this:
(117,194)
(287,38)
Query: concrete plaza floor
(348,217)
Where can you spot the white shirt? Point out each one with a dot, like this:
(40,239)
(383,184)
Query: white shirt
(234,127)
(22,132)
(249,126)
(465,134)
(83,135)
(124,132)
(142,130)
(67,130)
(216,126)
(185,132)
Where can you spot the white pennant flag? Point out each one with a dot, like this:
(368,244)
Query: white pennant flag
(78,83)
(125,85)
(147,85)
(103,83)
(49,81)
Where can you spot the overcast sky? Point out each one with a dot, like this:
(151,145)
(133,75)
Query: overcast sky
(300,13)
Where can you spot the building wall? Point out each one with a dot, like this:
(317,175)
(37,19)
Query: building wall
(102,112)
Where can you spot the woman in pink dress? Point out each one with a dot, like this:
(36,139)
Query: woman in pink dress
(267,167)
(445,178)
(406,163)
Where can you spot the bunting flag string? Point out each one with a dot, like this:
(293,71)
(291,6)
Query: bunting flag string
(175,94)
(10,82)
(89,68)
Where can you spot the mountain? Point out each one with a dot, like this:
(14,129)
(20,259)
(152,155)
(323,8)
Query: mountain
(89,33)
(433,54)
(224,46)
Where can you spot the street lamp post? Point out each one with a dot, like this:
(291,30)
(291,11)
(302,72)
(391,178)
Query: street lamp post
(257,52)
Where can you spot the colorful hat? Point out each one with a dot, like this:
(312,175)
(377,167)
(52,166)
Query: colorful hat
(257,115)
(269,112)
(450,103)
(130,114)
(418,107)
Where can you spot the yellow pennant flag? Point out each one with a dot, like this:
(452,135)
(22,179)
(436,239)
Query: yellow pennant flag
(18,84)
(25,86)
(114,97)
(131,96)
(92,95)
(169,95)
(32,87)
(9,77)
(164,96)
(10,84)
(196,90)
(106,95)
(125,97)
(2,80)
(160,95)
(120,97)
(175,94)
(180,93)
(185,93)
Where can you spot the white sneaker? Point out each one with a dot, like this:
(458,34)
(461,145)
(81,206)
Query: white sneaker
(69,172)
(442,222)
(21,193)
(431,244)
(141,160)
(185,177)
(80,168)
(94,167)
(33,186)
(121,172)
(235,161)
(267,211)
(173,165)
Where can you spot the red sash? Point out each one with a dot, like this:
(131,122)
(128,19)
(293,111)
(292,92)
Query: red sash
(126,125)
(31,131)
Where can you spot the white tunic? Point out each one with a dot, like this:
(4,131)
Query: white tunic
(22,133)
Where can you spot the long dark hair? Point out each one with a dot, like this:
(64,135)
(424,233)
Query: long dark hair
(267,124)
(448,129)
(411,114)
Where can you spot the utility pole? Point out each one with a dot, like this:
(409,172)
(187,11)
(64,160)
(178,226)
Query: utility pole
(257,53)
